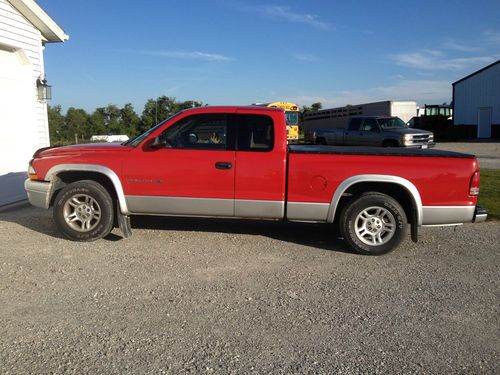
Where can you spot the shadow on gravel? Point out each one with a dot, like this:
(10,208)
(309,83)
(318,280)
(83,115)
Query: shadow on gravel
(35,219)
(321,236)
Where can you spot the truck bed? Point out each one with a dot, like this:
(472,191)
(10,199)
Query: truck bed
(375,151)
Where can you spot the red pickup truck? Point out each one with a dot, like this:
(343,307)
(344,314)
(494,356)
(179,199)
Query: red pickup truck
(234,162)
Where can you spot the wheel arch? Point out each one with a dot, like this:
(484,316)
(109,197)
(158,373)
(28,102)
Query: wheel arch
(393,141)
(63,174)
(397,187)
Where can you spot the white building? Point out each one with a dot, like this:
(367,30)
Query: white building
(25,28)
(476,103)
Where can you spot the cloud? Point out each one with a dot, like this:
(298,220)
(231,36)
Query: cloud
(454,45)
(436,60)
(422,91)
(188,55)
(285,12)
(492,36)
(304,57)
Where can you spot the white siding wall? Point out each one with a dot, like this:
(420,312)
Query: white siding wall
(23,118)
(16,31)
(480,90)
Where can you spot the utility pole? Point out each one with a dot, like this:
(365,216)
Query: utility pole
(156,111)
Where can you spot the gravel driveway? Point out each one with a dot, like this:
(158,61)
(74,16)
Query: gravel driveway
(488,153)
(192,295)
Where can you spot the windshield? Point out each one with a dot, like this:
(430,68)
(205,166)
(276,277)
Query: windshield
(391,123)
(292,118)
(135,141)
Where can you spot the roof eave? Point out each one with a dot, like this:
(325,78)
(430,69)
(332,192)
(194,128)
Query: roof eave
(476,72)
(50,30)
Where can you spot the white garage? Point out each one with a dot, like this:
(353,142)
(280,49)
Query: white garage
(476,103)
(25,29)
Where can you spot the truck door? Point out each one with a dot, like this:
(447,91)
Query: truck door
(260,167)
(192,173)
(352,134)
(369,134)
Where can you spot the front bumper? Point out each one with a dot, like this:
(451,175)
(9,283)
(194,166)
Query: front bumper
(419,145)
(39,193)
(480,215)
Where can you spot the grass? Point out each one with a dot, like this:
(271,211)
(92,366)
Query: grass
(489,193)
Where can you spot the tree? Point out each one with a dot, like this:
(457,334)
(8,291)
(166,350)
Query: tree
(76,124)
(97,122)
(162,108)
(56,124)
(316,106)
(65,129)
(313,108)
(129,123)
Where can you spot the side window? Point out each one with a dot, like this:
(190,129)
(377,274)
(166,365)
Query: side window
(255,133)
(197,132)
(369,125)
(355,123)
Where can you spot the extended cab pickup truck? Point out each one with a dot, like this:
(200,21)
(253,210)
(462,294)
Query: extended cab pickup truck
(234,162)
(375,131)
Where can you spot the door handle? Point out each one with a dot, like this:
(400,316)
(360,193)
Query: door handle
(223,165)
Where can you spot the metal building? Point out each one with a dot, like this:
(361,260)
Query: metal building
(476,104)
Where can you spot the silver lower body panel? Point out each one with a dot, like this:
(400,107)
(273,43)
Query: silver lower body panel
(445,215)
(305,211)
(38,192)
(257,209)
(138,204)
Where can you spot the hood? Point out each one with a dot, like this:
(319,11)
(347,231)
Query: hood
(77,149)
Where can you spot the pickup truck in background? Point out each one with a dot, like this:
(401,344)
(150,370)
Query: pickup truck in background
(234,162)
(374,131)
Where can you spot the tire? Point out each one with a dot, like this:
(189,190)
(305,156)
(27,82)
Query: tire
(373,224)
(83,211)
(390,144)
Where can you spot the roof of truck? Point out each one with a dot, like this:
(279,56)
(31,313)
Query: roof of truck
(229,108)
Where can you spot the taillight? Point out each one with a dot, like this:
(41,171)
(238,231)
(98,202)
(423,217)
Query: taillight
(474,184)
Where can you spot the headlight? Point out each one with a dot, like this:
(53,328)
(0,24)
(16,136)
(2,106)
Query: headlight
(407,137)
(31,172)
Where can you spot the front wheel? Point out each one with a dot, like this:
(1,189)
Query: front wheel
(83,211)
(373,224)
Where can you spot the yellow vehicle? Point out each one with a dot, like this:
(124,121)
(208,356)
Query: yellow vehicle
(292,118)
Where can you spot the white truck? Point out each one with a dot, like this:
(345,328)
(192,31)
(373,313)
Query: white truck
(339,117)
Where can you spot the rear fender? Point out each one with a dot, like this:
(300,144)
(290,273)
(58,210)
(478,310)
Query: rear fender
(346,184)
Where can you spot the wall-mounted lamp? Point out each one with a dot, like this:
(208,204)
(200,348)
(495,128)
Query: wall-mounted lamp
(44,90)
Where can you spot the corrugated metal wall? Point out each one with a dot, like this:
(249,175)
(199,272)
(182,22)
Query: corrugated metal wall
(480,90)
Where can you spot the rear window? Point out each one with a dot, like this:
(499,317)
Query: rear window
(255,133)
(355,123)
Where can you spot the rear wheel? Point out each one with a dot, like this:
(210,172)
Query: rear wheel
(373,224)
(83,211)
(390,144)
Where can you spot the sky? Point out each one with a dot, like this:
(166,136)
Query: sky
(224,52)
